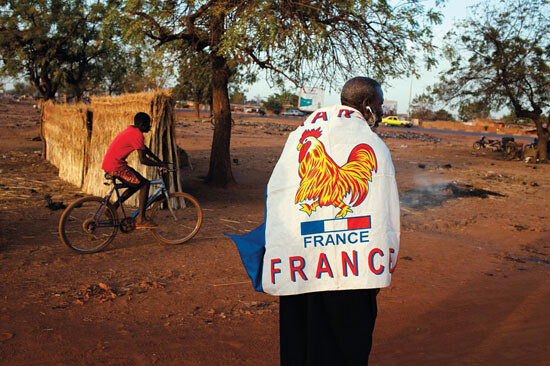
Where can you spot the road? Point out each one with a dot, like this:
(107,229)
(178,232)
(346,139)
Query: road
(393,128)
(467,133)
(237,114)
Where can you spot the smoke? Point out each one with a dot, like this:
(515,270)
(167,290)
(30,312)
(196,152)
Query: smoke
(429,195)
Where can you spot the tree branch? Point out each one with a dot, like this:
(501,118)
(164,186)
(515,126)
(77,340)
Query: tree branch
(267,65)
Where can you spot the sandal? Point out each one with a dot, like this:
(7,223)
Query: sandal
(146,224)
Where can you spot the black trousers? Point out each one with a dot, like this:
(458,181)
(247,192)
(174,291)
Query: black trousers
(327,328)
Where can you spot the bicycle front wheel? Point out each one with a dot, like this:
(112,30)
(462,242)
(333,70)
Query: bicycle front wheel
(88,225)
(178,224)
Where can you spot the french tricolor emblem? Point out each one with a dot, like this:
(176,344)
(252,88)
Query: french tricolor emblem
(332,225)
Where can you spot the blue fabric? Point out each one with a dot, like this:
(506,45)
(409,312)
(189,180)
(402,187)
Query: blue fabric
(251,247)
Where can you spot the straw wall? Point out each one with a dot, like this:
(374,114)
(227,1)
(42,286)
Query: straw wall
(108,117)
(66,135)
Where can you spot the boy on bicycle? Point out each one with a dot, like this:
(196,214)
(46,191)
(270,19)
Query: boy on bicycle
(114,163)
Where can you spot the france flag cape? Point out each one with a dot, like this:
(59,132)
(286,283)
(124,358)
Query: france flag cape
(332,211)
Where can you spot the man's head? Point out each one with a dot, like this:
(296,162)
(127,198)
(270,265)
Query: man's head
(365,95)
(142,121)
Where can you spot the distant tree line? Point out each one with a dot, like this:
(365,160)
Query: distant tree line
(276,102)
(423,107)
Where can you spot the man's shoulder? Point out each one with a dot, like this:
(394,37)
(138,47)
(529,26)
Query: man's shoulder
(336,111)
(331,108)
(132,131)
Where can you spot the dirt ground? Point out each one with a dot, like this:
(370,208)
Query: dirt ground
(472,286)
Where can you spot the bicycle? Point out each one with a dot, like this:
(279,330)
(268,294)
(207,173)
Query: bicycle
(89,224)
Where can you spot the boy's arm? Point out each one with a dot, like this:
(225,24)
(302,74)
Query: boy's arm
(152,155)
(144,159)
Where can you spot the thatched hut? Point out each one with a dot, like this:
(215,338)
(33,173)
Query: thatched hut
(77,137)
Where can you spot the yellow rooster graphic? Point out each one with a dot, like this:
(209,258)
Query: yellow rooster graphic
(326,183)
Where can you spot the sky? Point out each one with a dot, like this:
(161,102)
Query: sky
(400,90)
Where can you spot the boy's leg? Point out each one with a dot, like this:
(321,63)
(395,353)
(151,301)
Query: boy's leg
(143,193)
(142,222)
(135,182)
(125,195)
(132,179)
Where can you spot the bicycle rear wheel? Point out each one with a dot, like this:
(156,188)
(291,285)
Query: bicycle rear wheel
(178,225)
(88,225)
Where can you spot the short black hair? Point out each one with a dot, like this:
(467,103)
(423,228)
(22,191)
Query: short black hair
(356,90)
(142,119)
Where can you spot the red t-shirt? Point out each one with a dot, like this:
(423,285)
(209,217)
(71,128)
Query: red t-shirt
(127,141)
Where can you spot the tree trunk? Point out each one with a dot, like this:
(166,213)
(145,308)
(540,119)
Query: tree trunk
(542,144)
(220,173)
(78,94)
(41,103)
(198,109)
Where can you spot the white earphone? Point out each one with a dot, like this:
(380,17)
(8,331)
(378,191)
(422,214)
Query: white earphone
(370,110)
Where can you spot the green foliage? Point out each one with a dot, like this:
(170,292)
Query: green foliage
(23,88)
(237,96)
(120,64)
(149,68)
(293,40)
(511,118)
(195,78)
(258,99)
(287,97)
(472,110)
(53,43)
(305,41)
(276,101)
(68,46)
(273,104)
(442,115)
(423,107)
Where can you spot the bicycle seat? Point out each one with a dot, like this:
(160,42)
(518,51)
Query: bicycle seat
(109,177)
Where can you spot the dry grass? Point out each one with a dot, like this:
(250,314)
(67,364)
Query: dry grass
(66,135)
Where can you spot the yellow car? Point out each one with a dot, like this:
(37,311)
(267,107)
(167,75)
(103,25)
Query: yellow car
(395,121)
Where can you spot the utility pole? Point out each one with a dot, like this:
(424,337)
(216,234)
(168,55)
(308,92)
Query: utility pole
(410,94)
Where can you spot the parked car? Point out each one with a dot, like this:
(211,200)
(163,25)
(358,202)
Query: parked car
(395,121)
(293,112)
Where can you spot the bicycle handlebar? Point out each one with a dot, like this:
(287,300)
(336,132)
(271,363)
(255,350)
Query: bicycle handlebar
(162,169)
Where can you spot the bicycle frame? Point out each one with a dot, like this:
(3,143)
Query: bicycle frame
(159,192)
(153,197)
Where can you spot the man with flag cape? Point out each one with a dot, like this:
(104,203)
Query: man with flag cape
(330,238)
